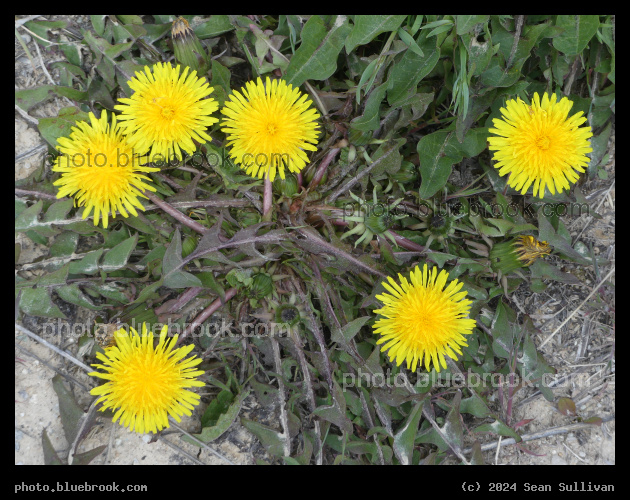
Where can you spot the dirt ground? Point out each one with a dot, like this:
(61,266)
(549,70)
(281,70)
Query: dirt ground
(582,351)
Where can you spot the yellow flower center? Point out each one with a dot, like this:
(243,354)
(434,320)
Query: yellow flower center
(543,142)
(271,128)
(168,112)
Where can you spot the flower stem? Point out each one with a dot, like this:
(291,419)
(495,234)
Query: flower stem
(267,200)
(176,214)
(321,170)
(205,314)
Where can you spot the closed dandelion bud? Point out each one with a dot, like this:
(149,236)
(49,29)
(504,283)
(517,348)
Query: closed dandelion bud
(378,224)
(407,172)
(287,186)
(188,245)
(248,218)
(261,286)
(188,49)
(504,259)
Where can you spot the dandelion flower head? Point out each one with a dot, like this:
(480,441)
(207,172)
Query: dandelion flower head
(99,168)
(146,384)
(424,318)
(540,144)
(269,127)
(167,111)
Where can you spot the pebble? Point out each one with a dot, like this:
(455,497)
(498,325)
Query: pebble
(118,442)
(146,438)
(26,37)
(582,454)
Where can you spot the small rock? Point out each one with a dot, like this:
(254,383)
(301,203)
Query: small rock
(146,438)
(582,454)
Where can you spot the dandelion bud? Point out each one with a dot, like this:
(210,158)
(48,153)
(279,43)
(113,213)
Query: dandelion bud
(261,286)
(187,47)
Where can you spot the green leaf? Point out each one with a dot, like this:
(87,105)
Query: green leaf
(71,413)
(270,439)
(578,31)
(220,82)
(600,146)
(474,404)
(173,255)
(498,76)
(181,279)
(542,269)
(88,264)
(371,118)
(28,217)
(50,455)
(348,332)
(466,23)
(502,334)
(57,277)
(411,69)
(548,234)
(58,211)
(87,456)
(439,151)
(72,293)
(405,436)
(118,256)
(410,42)
(499,428)
(366,28)
(28,98)
(316,59)
(219,416)
(36,302)
(217,25)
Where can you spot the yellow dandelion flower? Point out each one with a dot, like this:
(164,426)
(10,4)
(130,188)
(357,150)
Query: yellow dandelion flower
(145,384)
(423,319)
(99,168)
(528,249)
(539,145)
(270,127)
(167,111)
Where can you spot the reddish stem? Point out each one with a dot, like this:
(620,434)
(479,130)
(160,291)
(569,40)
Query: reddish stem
(321,170)
(267,199)
(176,214)
(205,314)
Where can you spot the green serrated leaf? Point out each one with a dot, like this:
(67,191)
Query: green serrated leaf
(37,302)
(578,31)
(366,28)
(118,256)
(316,58)
(405,436)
